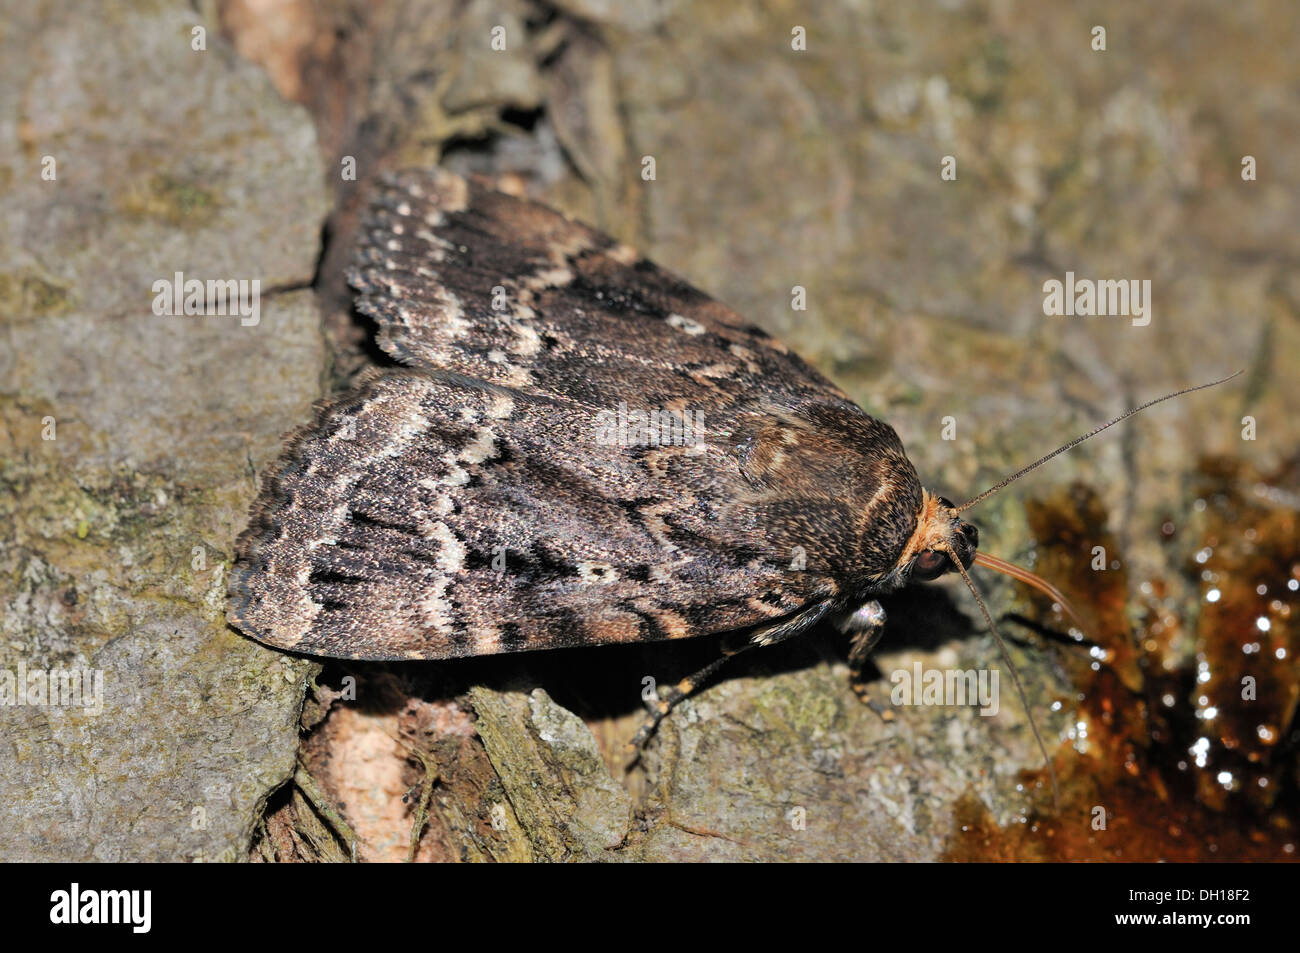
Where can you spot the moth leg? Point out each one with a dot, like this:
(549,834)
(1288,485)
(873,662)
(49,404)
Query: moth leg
(682,690)
(764,635)
(775,632)
(866,625)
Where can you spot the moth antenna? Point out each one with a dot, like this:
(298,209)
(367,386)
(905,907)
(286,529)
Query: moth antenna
(1092,433)
(1015,676)
(1030,579)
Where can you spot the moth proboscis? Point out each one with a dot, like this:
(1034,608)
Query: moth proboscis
(490,496)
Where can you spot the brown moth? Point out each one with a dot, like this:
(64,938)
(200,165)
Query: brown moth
(580,449)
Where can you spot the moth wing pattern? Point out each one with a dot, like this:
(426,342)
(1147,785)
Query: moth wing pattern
(425,517)
(470,504)
(463,277)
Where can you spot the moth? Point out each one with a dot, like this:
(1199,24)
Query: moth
(578,448)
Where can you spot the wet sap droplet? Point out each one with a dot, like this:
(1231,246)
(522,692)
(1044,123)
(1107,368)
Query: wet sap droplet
(1156,720)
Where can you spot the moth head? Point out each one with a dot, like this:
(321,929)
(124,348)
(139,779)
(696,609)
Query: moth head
(941,536)
(942,540)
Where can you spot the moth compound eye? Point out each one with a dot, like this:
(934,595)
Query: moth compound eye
(931,564)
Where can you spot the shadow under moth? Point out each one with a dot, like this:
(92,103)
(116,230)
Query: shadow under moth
(579,449)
